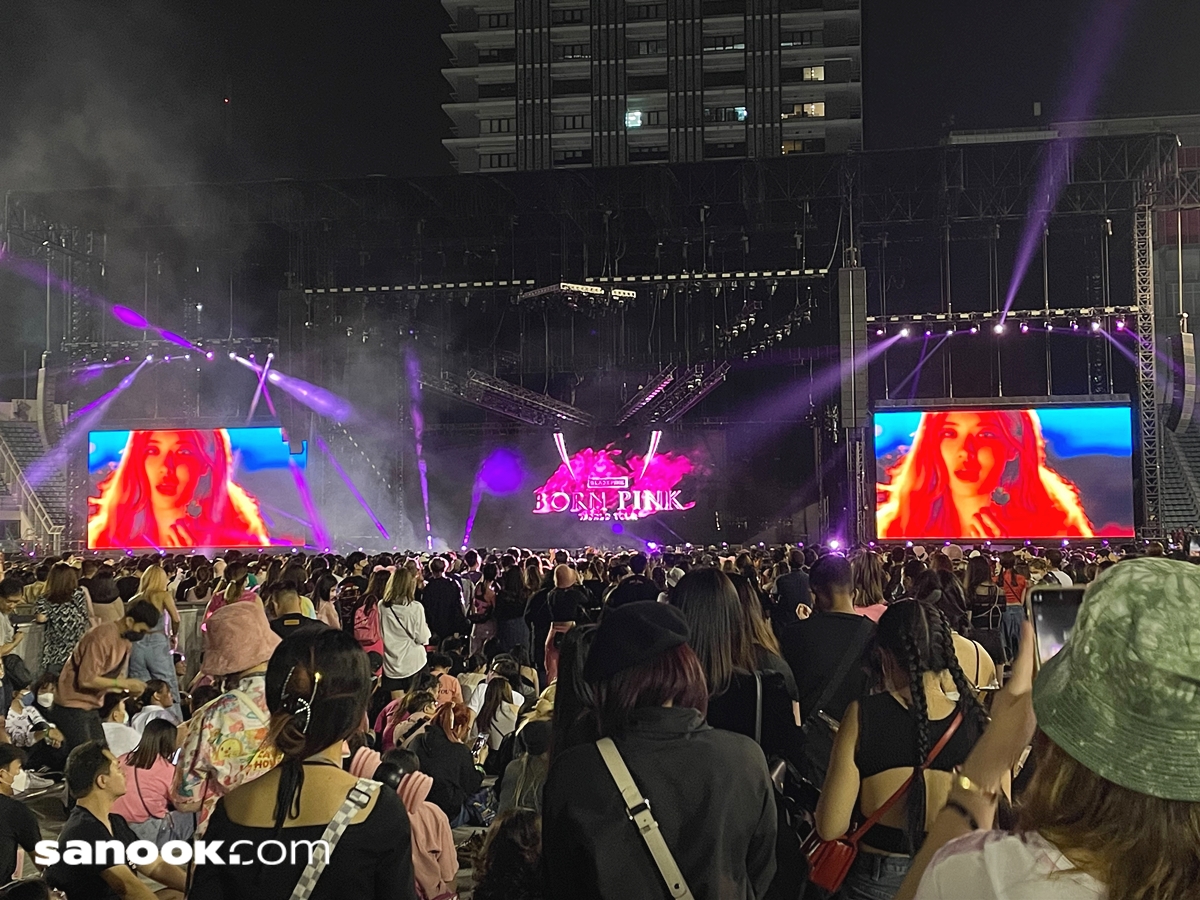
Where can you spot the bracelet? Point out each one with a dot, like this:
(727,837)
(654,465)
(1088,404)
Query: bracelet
(962,781)
(964,812)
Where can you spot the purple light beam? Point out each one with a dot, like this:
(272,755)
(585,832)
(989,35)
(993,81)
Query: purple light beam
(1091,60)
(320,534)
(413,368)
(337,467)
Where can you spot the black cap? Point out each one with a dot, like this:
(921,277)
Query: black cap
(633,634)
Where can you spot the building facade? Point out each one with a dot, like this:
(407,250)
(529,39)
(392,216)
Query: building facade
(539,84)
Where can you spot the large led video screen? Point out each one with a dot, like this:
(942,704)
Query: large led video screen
(195,488)
(985,474)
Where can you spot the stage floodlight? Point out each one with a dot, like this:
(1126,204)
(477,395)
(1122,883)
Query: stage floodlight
(1024,328)
(1120,324)
(1095,324)
(904,332)
(998,328)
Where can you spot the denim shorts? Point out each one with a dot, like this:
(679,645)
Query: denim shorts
(875,877)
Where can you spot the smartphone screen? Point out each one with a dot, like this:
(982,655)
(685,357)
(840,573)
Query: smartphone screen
(1194,546)
(1054,612)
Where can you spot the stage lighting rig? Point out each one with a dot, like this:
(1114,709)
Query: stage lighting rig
(585,298)
(648,395)
(498,395)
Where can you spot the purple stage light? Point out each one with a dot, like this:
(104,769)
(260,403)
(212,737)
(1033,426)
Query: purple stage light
(878,332)
(1024,328)
(974,329)
(834,543)
(1092,58)
(618,528)
(1095,326)
(1120,324)
(502,472)
(315,398)
(651,546)
(176,339)
(998,328)
(127,316)
(904,332)
(209,355)
(928,332)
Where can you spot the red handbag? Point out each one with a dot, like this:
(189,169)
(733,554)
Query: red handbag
(830,861)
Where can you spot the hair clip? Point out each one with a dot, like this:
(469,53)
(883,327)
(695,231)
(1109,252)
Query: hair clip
(303,707)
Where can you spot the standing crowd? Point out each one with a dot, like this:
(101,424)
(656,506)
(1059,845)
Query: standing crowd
(693,722)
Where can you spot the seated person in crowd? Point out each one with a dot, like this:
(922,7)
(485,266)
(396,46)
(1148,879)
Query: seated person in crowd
(19,828)
(95,778)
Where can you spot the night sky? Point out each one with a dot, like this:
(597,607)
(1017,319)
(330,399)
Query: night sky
(107,92)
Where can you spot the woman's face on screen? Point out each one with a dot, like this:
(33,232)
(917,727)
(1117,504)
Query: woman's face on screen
(172,469)
(972,448)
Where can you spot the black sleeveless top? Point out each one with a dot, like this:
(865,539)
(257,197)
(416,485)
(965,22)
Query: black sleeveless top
(887,739)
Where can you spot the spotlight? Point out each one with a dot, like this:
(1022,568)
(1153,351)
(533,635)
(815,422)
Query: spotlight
(127,359)
(166,359)
(1074,325)
(187,356)
(974,329)
(270,356)
(1049,326)
(950,330)
(998,328)
(1120,324)
(878,332)
(1095,324)
(928,332)
(904,332)
(1024,328)
(209,355)
(834,543)
(232,355)
(149,357)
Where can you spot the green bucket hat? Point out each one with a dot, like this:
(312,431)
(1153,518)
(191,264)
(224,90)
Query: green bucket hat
(1123,695)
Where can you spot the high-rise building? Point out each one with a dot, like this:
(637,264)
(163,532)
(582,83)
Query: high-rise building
(539,84)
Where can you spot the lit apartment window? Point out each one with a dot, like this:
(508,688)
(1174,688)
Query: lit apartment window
(572,51)
(808,145)
(797,38)
(647,11)
(724,42)
(499,160)
(633,118)
(651,48)
(497,126)
(497,20)
(804,110)
(813,73)
(572,123)
(566,16)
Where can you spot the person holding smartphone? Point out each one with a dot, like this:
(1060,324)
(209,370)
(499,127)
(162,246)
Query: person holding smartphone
(1113,808)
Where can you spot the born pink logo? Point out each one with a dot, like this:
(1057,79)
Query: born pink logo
(604,484)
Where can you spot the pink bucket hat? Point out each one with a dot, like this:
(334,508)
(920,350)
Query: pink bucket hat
(237,637)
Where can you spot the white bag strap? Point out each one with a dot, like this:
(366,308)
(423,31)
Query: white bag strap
(358,798)
(638,808)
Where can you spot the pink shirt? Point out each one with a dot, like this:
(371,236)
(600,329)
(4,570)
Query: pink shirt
(147,791)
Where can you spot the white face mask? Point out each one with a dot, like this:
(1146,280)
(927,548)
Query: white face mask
(46,699)
(20,782)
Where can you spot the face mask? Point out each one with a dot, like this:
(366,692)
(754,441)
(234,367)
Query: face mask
(20,782)
(133,636)
(45,700)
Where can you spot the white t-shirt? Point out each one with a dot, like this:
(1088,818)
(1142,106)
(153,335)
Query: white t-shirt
(121,738)
(404,635)
(1060,576)
(995,865)
(479,695)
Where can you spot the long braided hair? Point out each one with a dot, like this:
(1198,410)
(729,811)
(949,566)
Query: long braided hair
(918,638)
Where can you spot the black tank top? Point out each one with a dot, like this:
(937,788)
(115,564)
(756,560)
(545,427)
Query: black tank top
(887,739)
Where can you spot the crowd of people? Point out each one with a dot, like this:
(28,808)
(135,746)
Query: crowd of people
(613,724)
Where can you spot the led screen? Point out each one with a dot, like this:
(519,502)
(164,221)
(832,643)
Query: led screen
(201,488)
(1054,472)
(615,483)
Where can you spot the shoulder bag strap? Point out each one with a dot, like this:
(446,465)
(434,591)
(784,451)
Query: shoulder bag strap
(358,798)
(853,654)
(891,801)
(757,707)
(400,622)
(638,809)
